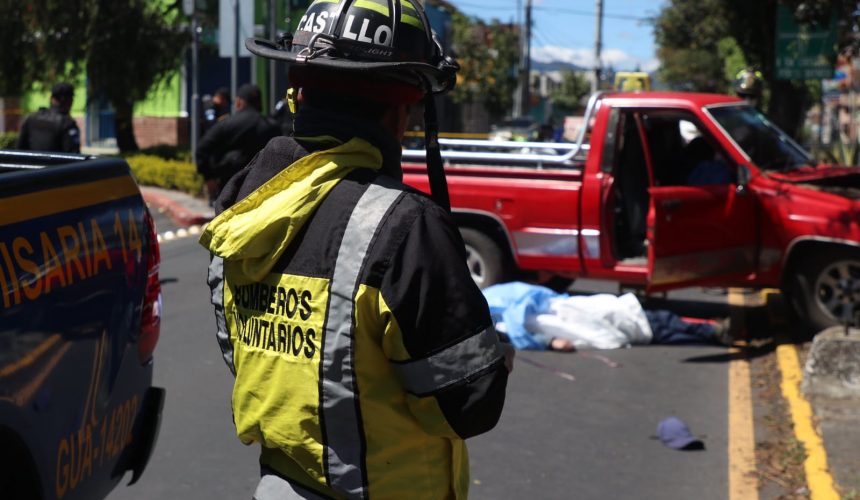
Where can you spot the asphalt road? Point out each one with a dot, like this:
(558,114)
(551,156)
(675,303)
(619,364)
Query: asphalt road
(576,425)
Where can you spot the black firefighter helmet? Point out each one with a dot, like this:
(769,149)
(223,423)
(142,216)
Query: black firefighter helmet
(748,84)
(385,50)
(380,39)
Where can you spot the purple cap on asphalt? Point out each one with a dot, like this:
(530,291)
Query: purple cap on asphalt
(674,433)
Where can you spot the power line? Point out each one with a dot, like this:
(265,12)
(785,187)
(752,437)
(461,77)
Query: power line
(559,10)
(483,7)
(578,12)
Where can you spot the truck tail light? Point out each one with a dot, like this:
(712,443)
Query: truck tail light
(150,321)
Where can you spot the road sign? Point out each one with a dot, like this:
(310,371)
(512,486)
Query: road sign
(188,7)
(803,51)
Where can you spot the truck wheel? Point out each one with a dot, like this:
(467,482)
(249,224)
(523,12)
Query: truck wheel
(484,258)
(826,290)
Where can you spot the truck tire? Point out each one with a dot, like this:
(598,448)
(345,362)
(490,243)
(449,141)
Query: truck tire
(825,290)
(486,261)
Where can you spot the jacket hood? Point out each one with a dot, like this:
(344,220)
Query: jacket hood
(253,233)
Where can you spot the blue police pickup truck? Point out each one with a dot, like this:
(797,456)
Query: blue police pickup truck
(80,311)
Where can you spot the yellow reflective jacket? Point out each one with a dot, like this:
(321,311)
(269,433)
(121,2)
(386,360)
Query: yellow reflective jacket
(363,352)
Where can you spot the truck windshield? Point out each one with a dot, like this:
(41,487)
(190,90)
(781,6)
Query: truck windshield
(766,145)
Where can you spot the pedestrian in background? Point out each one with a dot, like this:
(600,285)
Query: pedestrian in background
(52,129)
(364,353)
(231,143)
(215,109)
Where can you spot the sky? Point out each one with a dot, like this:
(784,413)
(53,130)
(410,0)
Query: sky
(563,30)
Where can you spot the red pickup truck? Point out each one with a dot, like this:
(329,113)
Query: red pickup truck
(662,190)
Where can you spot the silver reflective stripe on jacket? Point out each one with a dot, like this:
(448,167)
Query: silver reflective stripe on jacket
(340,411)
(456,363)
(272,487)
(216,287)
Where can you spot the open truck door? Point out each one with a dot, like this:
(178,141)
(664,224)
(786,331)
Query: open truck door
(702,224)
(700,233)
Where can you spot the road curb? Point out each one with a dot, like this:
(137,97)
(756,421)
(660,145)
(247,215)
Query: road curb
(833,364)
(818,476)
(179,213)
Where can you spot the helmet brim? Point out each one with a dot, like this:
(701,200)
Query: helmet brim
(423,74)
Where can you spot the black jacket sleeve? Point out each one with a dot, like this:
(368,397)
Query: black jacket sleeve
(440,309)
(24,135)
(211,146)
(70,140)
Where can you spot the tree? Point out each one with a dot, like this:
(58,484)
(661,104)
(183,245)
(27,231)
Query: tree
(688,35)
(17,42)
(568,97)
(702,44)
(504,42)
(488,56)
(141,44)
(124,47)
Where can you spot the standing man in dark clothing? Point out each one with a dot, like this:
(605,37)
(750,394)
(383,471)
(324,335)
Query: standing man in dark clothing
(364,353)
(215,109)
(52,129)
(231,143)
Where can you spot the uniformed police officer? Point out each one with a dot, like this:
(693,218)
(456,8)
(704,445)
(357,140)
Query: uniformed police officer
(52,129)
(364,354)
(215,109)
(231,143)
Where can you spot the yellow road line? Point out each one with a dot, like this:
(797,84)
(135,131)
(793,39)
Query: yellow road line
(818,478)
(743,483)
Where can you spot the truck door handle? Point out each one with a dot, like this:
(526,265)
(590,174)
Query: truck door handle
(670,204)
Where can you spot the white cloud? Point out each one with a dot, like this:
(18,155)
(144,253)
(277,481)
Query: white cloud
(650,65)
(584,57)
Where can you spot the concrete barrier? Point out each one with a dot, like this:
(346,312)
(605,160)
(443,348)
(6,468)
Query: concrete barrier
(833,364)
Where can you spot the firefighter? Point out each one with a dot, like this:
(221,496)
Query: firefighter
(52,129)
(363,352)
(748,85)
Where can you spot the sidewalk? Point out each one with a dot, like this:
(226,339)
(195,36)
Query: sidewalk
(182,208)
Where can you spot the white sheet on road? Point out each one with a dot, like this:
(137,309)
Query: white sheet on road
(600,321)
(531,315)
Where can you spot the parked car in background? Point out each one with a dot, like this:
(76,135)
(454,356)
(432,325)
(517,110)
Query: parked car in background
(80,312)
(664,190)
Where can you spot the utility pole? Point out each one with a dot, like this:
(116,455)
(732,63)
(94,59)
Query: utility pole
(195,92)
(518,92)
(189,8)
(525,82)
(598,35)
(273,35)
(234,60)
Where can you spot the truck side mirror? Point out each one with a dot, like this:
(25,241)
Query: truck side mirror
(744,176)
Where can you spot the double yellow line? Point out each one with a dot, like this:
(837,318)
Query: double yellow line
(743,483)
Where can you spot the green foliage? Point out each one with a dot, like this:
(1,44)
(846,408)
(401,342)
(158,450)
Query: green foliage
(688,35)
(169,174)
(732,56)
(124,47)
(488,56)
(702,44)
(574,87)
(16,42)
(8,140)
